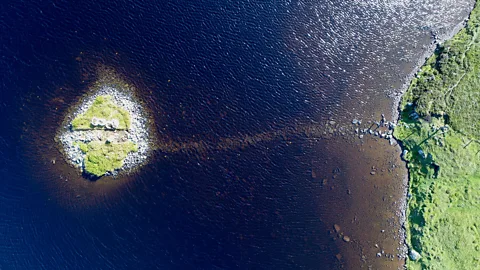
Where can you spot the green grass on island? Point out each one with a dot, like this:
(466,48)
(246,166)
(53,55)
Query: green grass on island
(108,151)
(440,129)
(104,108)
(102,157)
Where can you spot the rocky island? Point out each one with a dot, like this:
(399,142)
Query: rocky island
(439,129)
(107,133)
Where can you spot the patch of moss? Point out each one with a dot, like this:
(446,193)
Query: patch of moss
(444,209)
(103,107)
(83,147)
(443,213)
(102,157)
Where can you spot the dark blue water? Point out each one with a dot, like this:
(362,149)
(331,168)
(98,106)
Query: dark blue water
(208,70)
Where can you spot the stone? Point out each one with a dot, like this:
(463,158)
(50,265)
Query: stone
(414,116)
(422,154)
(414,255)
(98,122)
(115,123)
(346,238)
(336,227)
(94,121)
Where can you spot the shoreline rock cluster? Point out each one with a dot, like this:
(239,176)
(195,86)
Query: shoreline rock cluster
(382,129)
(136,133)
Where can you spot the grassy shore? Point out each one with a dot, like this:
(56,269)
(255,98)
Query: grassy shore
(440,131)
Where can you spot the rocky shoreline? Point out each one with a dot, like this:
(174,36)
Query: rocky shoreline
(138,132)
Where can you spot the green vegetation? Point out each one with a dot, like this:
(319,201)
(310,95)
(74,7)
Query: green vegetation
(443,213)
(103,107)
(102,157)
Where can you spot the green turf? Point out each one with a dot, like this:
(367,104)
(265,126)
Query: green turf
(102,157)
(102,107)
(443,214)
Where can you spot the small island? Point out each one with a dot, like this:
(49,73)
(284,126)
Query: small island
(439,130)
(106,134)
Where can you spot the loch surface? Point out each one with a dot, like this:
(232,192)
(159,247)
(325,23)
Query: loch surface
(243,80)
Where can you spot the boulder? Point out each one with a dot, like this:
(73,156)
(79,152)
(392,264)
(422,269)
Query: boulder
(98,122)
(112,124)
(414,255)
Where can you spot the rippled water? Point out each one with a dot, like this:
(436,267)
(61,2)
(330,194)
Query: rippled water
(244,176)
(362,45)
